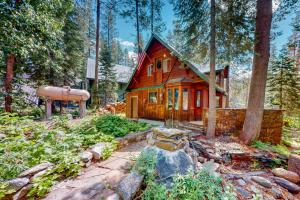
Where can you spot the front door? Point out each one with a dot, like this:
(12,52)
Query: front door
(198,105)
(134,107)
(172,103)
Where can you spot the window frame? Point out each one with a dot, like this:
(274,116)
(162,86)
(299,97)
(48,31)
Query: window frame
(150,72)
(167,60)
(185,90)
(156,95)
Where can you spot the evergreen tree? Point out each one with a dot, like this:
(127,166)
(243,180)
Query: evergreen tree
(107,82)
(30,39)
(136,10)
(282,82)
(156,23)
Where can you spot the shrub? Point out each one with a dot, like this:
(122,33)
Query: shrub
(118,126)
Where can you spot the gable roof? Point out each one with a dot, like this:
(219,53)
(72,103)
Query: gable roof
(123,73)
(174,52)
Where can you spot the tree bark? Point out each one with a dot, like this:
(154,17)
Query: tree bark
(152,15)
(212,75)
(137,29)
(254,113)
(95,97)
(10,62)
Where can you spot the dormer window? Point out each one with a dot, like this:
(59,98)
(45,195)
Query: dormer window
(150,70)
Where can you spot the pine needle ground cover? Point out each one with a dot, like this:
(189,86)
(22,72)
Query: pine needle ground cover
(28,143)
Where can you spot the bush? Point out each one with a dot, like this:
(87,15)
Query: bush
(118,126)
(192,186)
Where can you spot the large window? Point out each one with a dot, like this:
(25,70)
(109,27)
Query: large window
(152,97)
(185,99)
(170,99)
(150,70)
(166,64)
(176,99)
(198,99)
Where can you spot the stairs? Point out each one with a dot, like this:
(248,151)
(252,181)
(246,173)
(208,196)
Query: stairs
(196,127)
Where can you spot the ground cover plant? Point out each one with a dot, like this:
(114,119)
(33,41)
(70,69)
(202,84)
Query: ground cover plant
(193,186)
(27,143)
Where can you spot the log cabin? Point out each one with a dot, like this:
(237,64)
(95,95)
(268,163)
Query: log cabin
(166,86)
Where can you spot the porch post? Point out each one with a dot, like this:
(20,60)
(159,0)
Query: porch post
(192,104)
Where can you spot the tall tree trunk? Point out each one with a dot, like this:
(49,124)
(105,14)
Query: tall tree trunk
(152,16)
(212,75)
(255,109)
(10,62)
(95,97)
(137,29)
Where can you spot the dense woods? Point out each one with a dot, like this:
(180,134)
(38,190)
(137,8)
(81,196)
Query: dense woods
(49,43)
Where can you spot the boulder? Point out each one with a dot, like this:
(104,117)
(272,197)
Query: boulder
(22,192)
(17,183)
(35,169)
(170,164)
(97,150)
(129,186)
(288,175)
(262,181)
(294,163)
(292,187)
(86,156)
(244,193)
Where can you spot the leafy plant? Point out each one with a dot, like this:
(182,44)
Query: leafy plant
(118,126)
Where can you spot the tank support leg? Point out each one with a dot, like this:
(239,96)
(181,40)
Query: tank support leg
(82,108)
(48,108)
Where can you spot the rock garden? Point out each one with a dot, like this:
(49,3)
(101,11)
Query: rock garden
(36,155)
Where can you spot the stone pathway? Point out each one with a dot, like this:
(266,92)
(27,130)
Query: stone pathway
(90,184)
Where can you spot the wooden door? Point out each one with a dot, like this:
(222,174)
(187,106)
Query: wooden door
(172,103)
(198,105)
(134,107)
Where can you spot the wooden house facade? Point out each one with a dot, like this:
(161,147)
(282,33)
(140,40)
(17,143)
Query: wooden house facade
(165,86)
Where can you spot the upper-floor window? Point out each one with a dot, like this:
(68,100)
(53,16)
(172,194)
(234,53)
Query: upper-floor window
(166,65)
(218,102)
(158,63)
(150,70)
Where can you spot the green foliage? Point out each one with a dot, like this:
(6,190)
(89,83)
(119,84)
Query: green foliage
(145,164)
(28,143)
(282,82)
(280,149)
(118,126)
(190,187)
(292,121)
(107,81)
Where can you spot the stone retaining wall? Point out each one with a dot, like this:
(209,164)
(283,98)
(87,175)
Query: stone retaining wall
(230,120)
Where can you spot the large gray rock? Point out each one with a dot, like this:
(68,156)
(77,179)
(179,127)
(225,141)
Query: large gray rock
(262,181)
(35,169)
(22,192)
(170,164)
(292,187)
(97,150)
(17,183)
(288,175)
(86,156)
(129,186)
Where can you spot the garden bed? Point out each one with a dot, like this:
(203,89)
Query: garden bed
(26,143)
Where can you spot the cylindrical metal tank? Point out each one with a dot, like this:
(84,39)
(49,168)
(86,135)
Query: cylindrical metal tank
(63,93)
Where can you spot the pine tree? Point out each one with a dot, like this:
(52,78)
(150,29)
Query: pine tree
(107,82)
(282,82)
